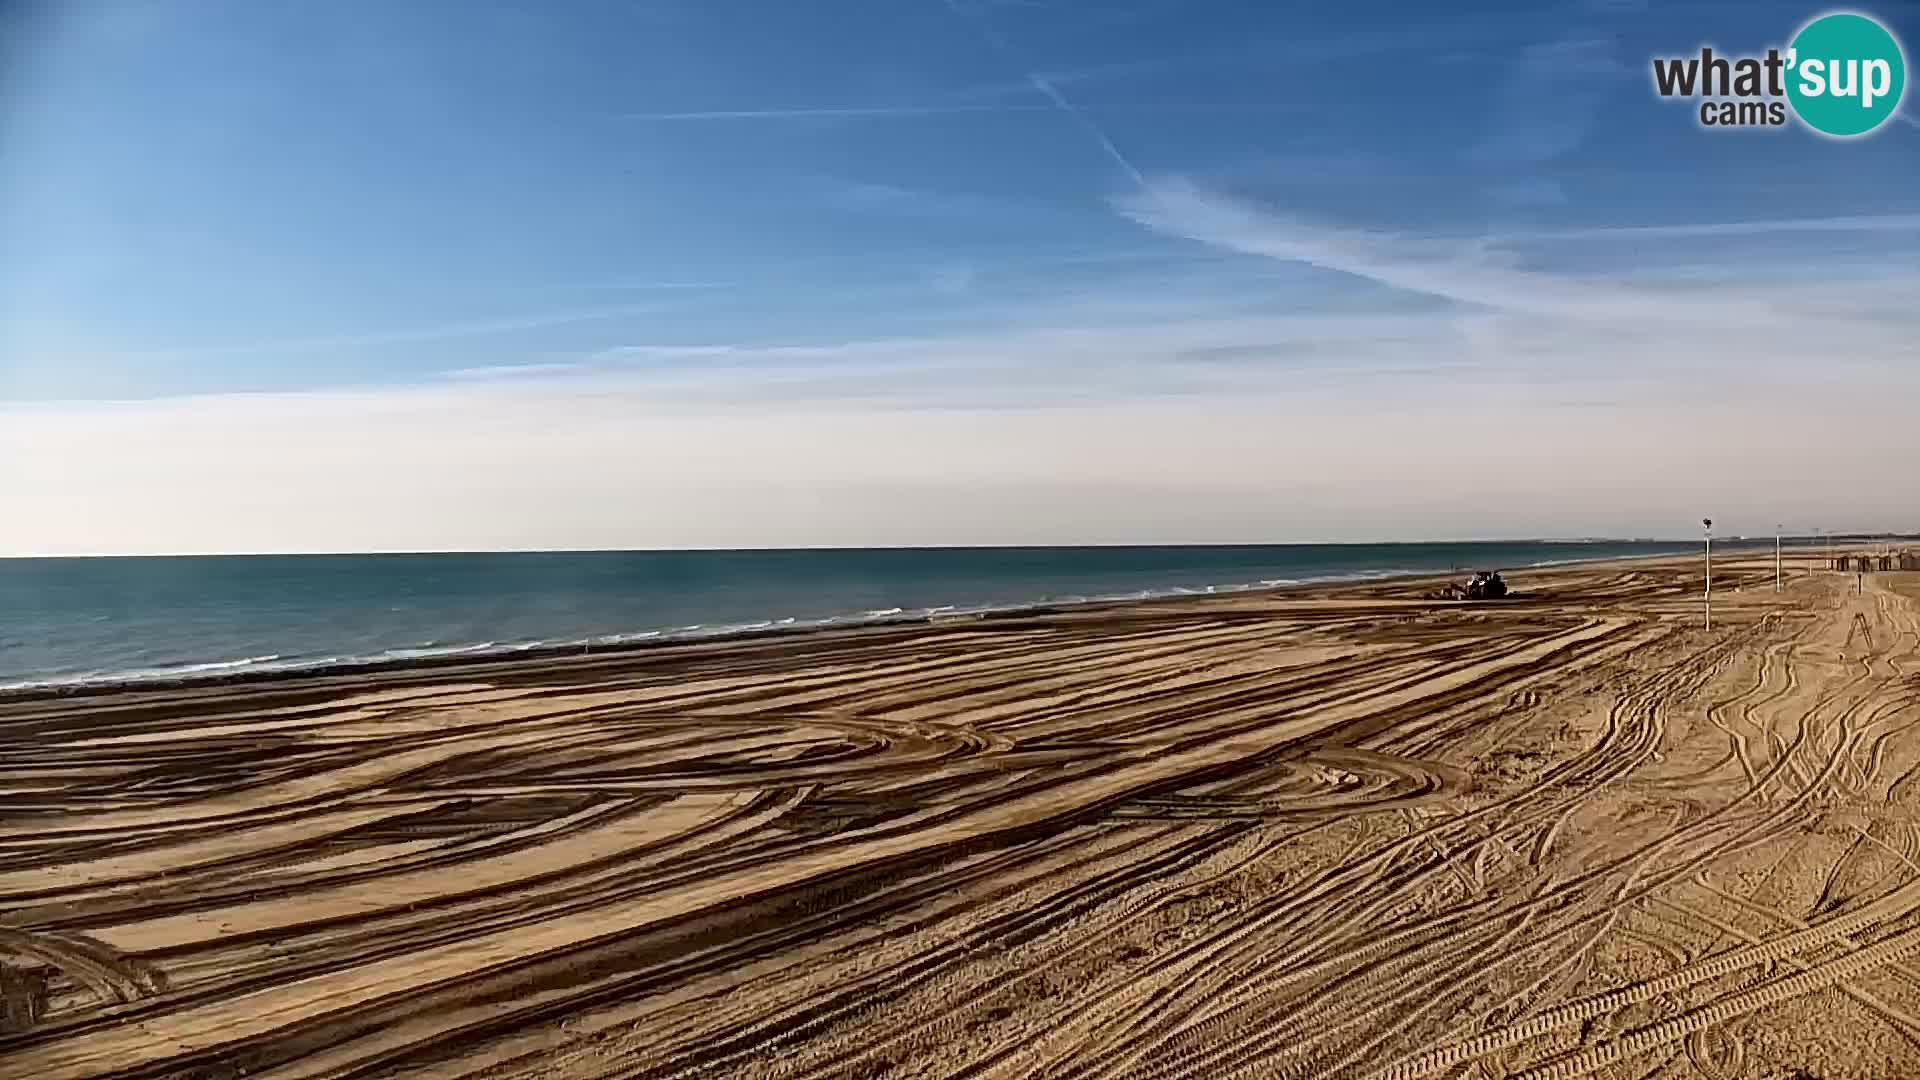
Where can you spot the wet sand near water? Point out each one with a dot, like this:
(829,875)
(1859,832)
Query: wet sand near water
(1340,831)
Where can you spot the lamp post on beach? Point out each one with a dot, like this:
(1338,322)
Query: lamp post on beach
(1707,525)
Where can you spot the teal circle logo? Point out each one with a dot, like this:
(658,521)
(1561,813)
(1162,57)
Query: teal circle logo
(1846,74)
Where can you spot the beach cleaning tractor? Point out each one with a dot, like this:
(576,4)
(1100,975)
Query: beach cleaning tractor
(1483,585)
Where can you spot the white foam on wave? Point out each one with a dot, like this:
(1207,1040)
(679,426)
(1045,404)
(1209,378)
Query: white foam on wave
(616,639)
(216,665)
(432,649)
(268,661)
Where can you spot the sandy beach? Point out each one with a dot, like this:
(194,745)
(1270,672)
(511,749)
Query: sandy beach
(1341,831)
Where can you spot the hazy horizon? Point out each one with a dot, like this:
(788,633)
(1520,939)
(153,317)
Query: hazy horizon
(1800,540)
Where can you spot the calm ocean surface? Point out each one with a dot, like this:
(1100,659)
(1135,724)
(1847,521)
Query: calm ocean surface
(78,620)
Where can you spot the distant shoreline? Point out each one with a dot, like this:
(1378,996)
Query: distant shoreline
(517,659)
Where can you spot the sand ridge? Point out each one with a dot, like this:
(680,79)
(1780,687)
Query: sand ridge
(1336,831)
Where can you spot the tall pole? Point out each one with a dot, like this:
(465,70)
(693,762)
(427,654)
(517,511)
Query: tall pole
(1708,524)
(1776,556)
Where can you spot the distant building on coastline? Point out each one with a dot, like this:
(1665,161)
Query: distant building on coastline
(1884,562)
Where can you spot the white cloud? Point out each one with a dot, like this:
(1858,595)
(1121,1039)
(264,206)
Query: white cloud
(1868,223)
(1544,404)
(412,335)
(1454,270)
(1415,428)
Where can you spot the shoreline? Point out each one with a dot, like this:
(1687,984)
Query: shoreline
(235,672)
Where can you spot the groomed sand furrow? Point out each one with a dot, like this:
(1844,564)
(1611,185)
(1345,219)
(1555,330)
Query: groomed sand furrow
(1046,914)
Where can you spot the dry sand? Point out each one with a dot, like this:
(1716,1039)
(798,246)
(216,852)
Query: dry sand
(1334,832)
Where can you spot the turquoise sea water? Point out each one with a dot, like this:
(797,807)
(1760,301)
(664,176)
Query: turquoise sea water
(81,620)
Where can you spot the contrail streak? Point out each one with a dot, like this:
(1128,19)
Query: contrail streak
(856,111)
(1056,103)
(1052,93)
(1085,121)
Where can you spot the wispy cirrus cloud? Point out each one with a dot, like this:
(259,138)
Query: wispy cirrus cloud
(839,112)
(1465,33)
(1038,83)
(1461,272)
(512,371)
(868,196)
(1483,272)
(450,331)
(1040,367)
(1320,430)
(640,285)
(1553,92)
(1868,223)
(1153,427)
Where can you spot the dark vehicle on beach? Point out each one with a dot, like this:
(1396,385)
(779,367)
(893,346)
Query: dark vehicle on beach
(1484,585)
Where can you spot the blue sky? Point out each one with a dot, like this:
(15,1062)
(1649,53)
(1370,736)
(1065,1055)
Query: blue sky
(503,217)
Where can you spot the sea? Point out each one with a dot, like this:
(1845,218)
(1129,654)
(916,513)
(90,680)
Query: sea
(74,621)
